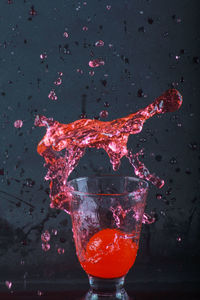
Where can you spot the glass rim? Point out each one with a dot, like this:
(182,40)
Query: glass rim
(131,178)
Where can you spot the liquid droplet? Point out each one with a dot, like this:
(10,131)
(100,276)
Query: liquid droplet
(58,81)
(32,11)
(147,219)
(66,35)
(52,95)
(8,284)
(159,196)
(45,247)
(96,63)
(43,56)
(85,28)
(45,236)
(18,123)
(99,43)
(103,114)
(61,251)
(54,231)
(179,239)
(108,7)
(39,293)
(91,73)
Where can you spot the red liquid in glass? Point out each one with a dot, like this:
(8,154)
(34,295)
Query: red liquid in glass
(110,253)
(64,144)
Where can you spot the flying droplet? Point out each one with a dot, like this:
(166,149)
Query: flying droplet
(58,81)
(158,196)
(91,73)
(52,95)
(103,114)
(108,7)
(65,34)
(43,56)
(32,11)
(179,239)
(96,63)
(8,284)
(99,43)
(45,247)
(61,251)
(18,123)
(54,231)
(39,293)
(85,28)
(45,236)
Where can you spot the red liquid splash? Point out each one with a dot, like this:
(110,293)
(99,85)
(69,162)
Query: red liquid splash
(110,253)
(64,144)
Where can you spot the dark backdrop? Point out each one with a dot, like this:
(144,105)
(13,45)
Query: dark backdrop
(149,47)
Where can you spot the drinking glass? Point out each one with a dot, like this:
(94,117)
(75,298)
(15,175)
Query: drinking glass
(106,213)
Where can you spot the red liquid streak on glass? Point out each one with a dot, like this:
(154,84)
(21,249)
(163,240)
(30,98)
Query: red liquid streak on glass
(112,136)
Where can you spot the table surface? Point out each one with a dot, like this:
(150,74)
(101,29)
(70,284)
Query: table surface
(79,295)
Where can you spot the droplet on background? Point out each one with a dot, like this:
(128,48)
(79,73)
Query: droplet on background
(108,7)
(39,293)
(43,56)
(103,114)
(99,43)
(148,219)
(96,63)
(32,11)
(18,123)
(79,71)
(65,34)
(52,95)
(8,284)
(91,73)
(54,231)
(158,196)
(58,81)
(179,239)
(61,251)
(85,28)
(45,247)
(45,236)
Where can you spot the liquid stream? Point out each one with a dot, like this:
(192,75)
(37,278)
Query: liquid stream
(64,144)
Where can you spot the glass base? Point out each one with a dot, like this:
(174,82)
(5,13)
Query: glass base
(110,289)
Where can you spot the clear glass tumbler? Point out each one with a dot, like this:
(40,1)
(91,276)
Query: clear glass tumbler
(106,214)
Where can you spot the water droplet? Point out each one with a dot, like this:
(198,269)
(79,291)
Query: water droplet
(108,7)
(140,93)
(91,73)
(79,71)
(96,63)
(65,34)
(99,43)
(179,239)
(148,219)
(192,146)
(8,284)
(54,231)
(106,104)
(45,236)
(159,196)
(32,11)
(177,57)
(39,293)
(58,81)
(61,251)
(18,123)
(173,161)
(43,56)
(52,95)
(103,114)
(60,73)
(45,247)
(85,28)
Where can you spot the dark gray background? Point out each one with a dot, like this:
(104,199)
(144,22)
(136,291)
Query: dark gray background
(146,37)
